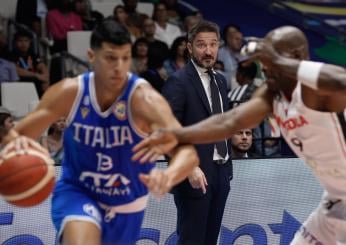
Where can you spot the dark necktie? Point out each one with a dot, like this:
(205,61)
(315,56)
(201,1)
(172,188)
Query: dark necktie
(221,146)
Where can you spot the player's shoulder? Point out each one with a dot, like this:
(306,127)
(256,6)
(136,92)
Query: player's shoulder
(61,94)
(145,93)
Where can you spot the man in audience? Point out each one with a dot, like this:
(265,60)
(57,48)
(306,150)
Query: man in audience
(229,54)
(241,143)
(164,31)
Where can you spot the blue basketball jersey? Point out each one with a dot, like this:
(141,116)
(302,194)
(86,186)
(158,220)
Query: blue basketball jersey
(98,146)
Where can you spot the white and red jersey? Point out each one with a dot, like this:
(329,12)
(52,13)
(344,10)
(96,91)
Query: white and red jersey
(316,137)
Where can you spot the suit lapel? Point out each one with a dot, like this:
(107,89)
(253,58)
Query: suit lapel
(197,83)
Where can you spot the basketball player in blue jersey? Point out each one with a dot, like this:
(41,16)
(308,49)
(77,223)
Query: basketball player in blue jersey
(102,193)
(308,100)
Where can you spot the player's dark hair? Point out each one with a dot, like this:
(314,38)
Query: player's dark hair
(109,31)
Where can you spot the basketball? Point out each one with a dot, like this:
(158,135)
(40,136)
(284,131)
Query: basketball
(26,179)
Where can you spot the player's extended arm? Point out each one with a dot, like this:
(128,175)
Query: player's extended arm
(150,107)
(222,126)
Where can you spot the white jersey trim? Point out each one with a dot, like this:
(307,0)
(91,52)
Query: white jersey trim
(133,207)
(76,218)
(76,102)
(340,133)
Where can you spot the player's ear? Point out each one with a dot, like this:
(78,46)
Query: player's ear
(91,55)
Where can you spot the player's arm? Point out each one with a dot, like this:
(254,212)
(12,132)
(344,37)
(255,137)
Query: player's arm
(151,109)
(55,103)
(222,126)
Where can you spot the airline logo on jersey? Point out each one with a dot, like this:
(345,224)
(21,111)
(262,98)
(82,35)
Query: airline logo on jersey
(95,136)
(291,123)
(108,184)
(120,110)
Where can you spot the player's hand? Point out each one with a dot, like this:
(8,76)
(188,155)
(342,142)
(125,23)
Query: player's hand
(262,50)
(21,145)
(160,142)
(157,182)
(198,180)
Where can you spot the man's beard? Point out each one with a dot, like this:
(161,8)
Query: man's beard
(200,64)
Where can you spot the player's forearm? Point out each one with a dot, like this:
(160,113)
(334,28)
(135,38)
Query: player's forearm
(184,160)
(213,129)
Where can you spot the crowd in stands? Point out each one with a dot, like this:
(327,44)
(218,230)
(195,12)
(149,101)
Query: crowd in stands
(159,49)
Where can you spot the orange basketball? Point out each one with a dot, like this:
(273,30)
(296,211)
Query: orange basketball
(26,179)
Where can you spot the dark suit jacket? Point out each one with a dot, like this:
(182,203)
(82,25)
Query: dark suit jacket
(188,100)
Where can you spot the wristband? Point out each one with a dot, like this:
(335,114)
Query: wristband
(308,73)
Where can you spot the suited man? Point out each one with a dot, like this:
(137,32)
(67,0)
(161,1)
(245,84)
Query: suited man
(196,92)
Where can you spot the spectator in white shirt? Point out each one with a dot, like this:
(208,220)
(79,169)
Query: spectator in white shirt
(164,31)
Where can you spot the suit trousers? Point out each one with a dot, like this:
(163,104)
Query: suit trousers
(199,217)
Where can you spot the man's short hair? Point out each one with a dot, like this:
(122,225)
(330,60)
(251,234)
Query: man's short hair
(109,31)
(203,26)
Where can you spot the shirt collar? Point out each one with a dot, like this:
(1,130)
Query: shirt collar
(201,71)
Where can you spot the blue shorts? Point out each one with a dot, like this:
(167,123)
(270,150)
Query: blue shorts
(70,203)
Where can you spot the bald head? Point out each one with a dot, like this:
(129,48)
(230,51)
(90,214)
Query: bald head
(289,41)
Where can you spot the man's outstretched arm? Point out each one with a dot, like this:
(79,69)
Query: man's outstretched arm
(223,126)
(153,110)
(213,129)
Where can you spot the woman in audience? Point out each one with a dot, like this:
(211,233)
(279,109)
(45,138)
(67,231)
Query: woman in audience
(178,56)
(140,56)
(122,17)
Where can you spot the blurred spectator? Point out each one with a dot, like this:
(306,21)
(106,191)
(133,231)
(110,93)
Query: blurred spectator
(245,77)
(8,72)
(173,14)
(122,17)
(53,141)
(164,31)
(198,14)
(134,18)
(4,51)
(230,53)
(59,22)
(140,55)
(90,18)
(30,67)
(6,121)
(267,139)
(30,13)
(178,56)
(241,143)
(156,74)
(189,22)
(148,30)
(219,67)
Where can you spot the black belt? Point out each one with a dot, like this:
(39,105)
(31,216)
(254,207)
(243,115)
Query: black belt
(220,161)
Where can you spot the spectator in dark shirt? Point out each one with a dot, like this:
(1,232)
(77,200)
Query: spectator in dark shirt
(178,56)
(156,73)
(30,67)
(90,18)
